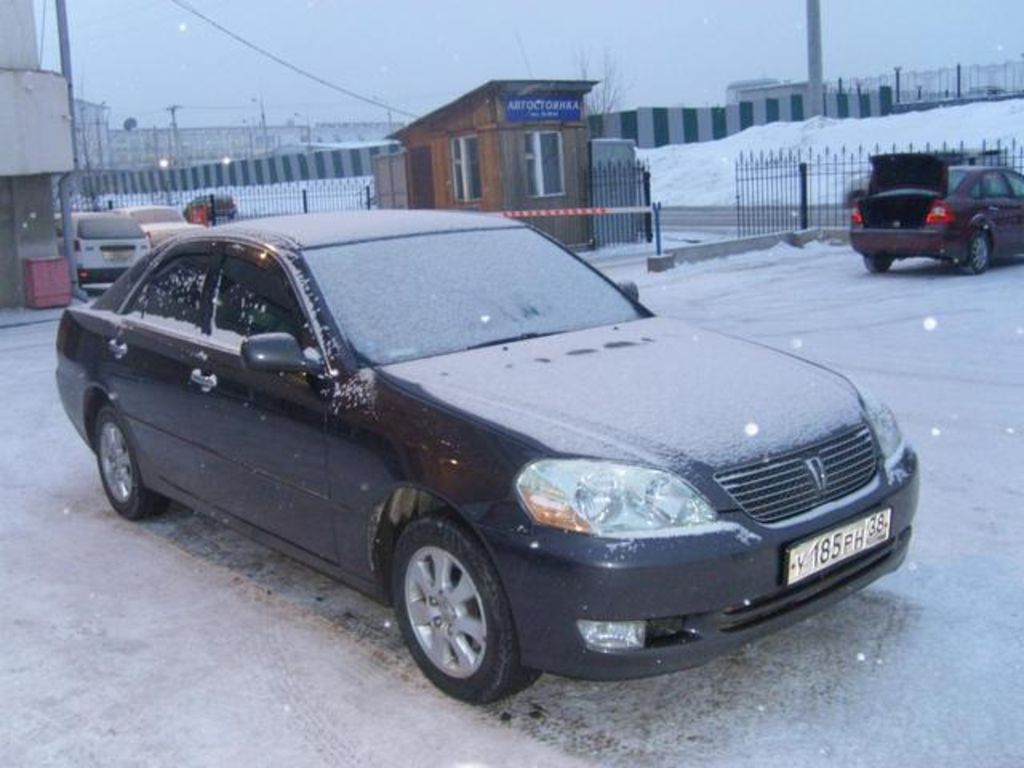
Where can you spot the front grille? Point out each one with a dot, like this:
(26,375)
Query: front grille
(788,485)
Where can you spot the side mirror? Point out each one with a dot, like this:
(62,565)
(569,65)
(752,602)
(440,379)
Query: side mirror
(276,353)
(629,288)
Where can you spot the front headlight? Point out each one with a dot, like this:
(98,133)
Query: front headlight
(883,424)
(607,499)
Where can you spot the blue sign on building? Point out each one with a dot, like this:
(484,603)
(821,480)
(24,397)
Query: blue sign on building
(543,108)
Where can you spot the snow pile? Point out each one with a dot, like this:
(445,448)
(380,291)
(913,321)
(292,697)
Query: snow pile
(704,174)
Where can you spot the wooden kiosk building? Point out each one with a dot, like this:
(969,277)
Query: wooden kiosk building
(509,145)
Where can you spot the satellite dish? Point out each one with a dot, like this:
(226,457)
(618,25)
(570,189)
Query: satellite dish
(131,124)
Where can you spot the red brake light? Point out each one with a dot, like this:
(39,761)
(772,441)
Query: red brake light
(940,213)
(856,217)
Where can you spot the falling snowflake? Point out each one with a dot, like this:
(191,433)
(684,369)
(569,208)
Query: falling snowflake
(183,27)
(796,344)
(936,431)
(861,657)
(930,323)
(751,429)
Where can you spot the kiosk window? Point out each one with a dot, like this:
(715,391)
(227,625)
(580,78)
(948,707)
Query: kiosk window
(466,168)
(544,175)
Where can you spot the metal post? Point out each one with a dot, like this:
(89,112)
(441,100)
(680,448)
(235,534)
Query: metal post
(958,76)
(213,210)
(804,212)
(68,179)
(305,202)
(648,228)
(898,84)
(369,198)
(815,76)
(657,229)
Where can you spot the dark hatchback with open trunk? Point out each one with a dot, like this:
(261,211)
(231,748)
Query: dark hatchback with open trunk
(917,205)
(452,413)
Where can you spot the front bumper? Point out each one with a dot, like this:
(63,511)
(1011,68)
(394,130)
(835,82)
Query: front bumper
(702,596)
(901,243)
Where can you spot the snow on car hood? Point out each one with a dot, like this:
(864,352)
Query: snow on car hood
(657,391)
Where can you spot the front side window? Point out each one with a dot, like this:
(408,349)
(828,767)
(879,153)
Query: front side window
(1016,182)
(466,168)
(253,296)
(544,174)
(174,293)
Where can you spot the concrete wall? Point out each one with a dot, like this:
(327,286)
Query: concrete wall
(18,35)
(26,230)
(35,127)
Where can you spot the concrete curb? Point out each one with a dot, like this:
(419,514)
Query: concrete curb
(692,254)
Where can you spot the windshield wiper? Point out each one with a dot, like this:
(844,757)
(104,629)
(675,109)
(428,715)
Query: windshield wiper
(510,339)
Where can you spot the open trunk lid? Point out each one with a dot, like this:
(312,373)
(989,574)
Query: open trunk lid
(908,171)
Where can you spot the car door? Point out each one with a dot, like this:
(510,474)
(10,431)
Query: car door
(262,435)
(1016,182)
(148,361)
(1000,210)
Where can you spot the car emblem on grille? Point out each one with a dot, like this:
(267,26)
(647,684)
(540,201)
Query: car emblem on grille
(816,469)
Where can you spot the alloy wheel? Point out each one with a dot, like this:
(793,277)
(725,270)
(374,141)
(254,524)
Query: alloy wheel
(116,462)
(445,611)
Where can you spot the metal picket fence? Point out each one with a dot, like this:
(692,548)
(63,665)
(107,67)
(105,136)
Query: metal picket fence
(249,201)
(802,189)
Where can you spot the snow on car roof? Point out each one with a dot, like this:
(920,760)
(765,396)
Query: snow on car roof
(318,229)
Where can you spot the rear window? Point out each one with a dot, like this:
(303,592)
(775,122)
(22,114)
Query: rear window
(956,178)
(109,228)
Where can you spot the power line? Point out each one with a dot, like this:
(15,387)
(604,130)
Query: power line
(287,64)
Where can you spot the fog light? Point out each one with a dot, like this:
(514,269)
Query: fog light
(612,635)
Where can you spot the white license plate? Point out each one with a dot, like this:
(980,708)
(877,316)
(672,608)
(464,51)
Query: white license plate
(117,254)
(827,549)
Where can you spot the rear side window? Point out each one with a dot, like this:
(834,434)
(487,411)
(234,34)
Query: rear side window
(994,185)
(174,293)
(109,228)
(253,296)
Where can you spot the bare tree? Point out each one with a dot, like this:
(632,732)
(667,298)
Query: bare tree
(608,94)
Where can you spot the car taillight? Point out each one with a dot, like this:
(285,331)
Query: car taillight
(939,213)
(856,217)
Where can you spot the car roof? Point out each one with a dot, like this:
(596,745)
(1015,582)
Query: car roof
(312,230)
(133,208)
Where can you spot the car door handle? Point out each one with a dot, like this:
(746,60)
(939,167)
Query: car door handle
(205,382)
(117,347)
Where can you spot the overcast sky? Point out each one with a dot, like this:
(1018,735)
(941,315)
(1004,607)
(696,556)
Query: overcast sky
(140,56)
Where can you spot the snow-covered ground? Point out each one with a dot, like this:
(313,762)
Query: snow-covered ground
(704,174)
(179,643)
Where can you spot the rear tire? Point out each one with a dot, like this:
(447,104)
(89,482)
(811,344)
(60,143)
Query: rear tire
(453,613)
(979,254)
(119,469)
(877,263)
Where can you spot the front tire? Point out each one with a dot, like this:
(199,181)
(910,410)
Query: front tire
(877,263)
(119,469)
(453,613)
(979,253)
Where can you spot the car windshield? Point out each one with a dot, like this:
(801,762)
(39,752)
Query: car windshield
(109,228)
(157,216)
(426,295)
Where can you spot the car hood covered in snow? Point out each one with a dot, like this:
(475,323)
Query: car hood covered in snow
(657,391)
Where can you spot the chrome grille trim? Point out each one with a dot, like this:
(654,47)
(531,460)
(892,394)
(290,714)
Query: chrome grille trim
(784,486)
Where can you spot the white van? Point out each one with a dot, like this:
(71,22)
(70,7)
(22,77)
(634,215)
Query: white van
(105,245)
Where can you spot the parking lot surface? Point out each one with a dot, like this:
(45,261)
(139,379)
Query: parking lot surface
(177,642)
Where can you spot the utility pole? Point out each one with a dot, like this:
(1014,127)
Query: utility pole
(175,139)
(67,181)
(263,123)
(815,78)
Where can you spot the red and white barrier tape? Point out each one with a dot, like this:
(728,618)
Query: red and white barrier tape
(574,212)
